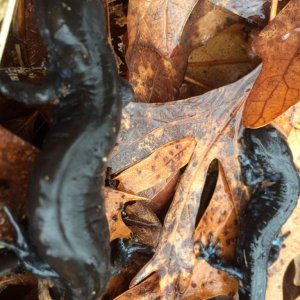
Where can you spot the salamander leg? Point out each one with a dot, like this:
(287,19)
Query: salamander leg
(21,248)
(277,244)
(211,254)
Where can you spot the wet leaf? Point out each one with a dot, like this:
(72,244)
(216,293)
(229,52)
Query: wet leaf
(16,159)
(186,25)
(147,290)
(148,177)
(143,223)
(224,59)
(214,120)
(114,205)
(277,87)
(221,219)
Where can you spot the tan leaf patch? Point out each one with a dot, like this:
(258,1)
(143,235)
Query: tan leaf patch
(114,204)
(277,87)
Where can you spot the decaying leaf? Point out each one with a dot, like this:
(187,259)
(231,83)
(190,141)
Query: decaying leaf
(221,219)
(185,26)
(147,290)
(16,159)
(290,251)
(150,176)
(114,205)
(143,223)
(224,59)
(9,284)
(277,87)
(245,8)
(214,120)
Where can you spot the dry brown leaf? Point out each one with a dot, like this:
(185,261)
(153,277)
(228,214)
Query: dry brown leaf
(224,59)
(277,271)
(143,223)
(157,56)
(220,218)
(147,290)
(114,204)
(214,120)
(16,159)
(277,87)
(148,177)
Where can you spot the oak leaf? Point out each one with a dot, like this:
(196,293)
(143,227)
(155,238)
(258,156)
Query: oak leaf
(277,87)
(177,27)
(214,120)
(152,176)
(114,205)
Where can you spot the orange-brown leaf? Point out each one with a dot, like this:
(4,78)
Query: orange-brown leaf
(147,290)
(214,120)
(149,176)
(221,218)
(278,86)
(114,204)
(164,32)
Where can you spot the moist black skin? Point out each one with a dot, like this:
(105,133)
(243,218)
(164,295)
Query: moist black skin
(267,168)
(68,230)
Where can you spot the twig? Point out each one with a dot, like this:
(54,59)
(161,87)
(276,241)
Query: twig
(12,4)
(273,11)
(195,82)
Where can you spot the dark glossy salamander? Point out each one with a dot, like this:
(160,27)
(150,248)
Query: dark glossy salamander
(268,169)
(67,225)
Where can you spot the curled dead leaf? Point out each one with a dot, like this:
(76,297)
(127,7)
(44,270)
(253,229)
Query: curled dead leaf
(277,87)
(151,176)
(114,205)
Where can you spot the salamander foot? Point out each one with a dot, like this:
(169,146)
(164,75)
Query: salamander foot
(211,254)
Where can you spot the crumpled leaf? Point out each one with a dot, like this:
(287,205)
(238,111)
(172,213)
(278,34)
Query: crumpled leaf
(214,120)
(221,219)
(177,27)
(143,223)
(114,205)
(224,59)
(147,290)
(16,160)
(148,177)
(277,87)
(245,8)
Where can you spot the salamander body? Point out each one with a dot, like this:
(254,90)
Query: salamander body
(268,169)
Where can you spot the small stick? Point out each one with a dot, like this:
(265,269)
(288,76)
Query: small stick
(273,11)
(12,4)
(195,82)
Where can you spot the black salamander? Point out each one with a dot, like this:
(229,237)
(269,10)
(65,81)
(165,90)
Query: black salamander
(68,230)
(268,169)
